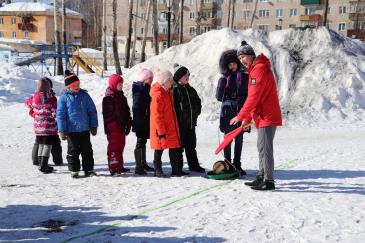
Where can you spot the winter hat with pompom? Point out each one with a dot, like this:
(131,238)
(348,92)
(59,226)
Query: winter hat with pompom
(144,74)
(70,78)
(162,76)
(114,79)
(180,71)
(245,49)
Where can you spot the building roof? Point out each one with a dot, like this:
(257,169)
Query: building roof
(34,8)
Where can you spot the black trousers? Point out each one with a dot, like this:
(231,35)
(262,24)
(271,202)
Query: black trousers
(79,143)
(238,141)
(56,150)
(188,140)
(176,159)
(141,143)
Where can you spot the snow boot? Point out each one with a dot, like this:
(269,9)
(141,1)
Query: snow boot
(158,169)
(144,161)
(239,168)
(139,170)
(74,174)
(35,154)
(259,179)
(266,185)
(90,173)
(197,168)
(177,169)
(43,165)
(124,170)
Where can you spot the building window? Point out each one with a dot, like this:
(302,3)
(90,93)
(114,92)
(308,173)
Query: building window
(341,27)
(26,35)
(1,21)
(1,34)
(13,34)
(164,30)
(264,13)
(329,10)
(141,31)
(206,28)
(192,15)
(247,14)
(309,11)
(247,1)
(279,13)
(143,16)
(264,1)
(264,27)
(292,26)
(342,10)
(13,20)
(293,12)
(192,30)
(191,2)
(207,14)
(207,1)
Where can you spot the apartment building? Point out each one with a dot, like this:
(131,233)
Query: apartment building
(346,17)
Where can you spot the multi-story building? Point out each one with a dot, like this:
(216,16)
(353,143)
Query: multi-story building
(35,21)
(346,17)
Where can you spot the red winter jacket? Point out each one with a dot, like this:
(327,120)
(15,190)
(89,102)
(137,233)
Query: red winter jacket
(262,103)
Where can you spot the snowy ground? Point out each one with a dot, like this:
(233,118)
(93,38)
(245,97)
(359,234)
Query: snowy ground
(320,197)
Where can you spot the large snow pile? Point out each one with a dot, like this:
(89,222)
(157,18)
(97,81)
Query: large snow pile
(33,7)
(320,74)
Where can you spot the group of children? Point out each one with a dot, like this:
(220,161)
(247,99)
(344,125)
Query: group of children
(165,112)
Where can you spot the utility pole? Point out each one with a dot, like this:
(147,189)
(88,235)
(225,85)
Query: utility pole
(131,63)
(58,67)
(253,14)
(325,13)
(181,37)
(104,47)
(118,70)
(128,46)
(155,27)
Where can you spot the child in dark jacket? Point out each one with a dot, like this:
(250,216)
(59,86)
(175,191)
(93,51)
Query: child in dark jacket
(56,150)
(76,119)
(232,92)
(141,118)
(43,107)
(117,123)
(188,108)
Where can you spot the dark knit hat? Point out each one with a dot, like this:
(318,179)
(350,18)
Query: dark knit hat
(180,71)
(245,49)
(227,57)
(70,78)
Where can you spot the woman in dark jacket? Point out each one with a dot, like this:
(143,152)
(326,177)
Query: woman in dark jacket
(188,108)
(141,118)
(232,92)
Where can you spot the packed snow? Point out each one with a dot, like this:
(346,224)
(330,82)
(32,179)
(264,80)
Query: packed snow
(33,7)
(319,154)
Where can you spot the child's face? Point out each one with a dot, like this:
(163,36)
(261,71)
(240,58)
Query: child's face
(233,66)
(75,87)
(120,86)
(168,84)
(148,81)
(184,79)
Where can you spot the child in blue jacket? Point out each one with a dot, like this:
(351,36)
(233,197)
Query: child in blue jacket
(76,119)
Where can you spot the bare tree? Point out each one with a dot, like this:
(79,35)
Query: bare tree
(325,13)
(143,55)
(229,13)
(181,34)
(155,27)
(199,11)
(129,37)
(64,22)
(254,13)
(131,63)
(118,70)
(57,37)
(104,47)
(233,2)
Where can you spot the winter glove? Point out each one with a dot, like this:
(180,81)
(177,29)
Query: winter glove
(63,135)
(94,131)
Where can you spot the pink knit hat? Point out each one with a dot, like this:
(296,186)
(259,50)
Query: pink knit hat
(144,74)
(114,79)
(162,76)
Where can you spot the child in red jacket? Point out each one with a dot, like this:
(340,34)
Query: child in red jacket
(117,123)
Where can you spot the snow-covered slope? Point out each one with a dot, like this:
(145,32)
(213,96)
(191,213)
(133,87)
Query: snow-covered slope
(320,74)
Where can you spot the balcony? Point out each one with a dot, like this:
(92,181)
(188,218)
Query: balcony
(310,2)
(313,17)
(357,34)
(208,21)
(26,27)
(356,16)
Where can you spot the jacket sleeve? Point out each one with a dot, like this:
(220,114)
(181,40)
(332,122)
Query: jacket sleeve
(61,114)
(91,111)
(198,102)
(28,103)
(254,95)
(177,102)
(108,109)
(157,110)
(222,82)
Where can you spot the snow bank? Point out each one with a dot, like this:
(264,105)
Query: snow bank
(33,7)
(320,74)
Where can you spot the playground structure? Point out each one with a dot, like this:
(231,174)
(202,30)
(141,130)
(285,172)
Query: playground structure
(73,57)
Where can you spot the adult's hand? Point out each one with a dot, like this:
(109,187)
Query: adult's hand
(234,121)
(245,126)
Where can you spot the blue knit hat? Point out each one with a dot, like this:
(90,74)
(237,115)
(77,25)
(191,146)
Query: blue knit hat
(245,49)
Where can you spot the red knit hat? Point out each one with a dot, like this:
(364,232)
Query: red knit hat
(114,79)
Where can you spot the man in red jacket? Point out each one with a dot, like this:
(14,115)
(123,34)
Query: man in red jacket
(262,106)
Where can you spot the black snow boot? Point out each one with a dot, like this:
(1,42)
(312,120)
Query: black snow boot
(177,169)
(139,170)
(237,165)
(259,179)
(266,185)
(43,165)
(144,161)
(158,168)
(35,154)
